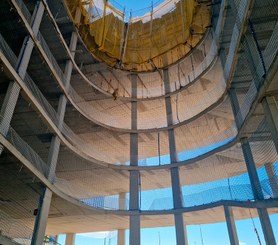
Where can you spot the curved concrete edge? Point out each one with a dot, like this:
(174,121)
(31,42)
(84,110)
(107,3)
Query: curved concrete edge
(60,36)
(98,59)
(50,123)
(117,129)
(79,152)
(268,79)
(266,203)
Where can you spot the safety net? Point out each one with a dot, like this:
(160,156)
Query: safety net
(146,41)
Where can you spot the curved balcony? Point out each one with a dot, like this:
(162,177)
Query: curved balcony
(80,145)
(87,185)
(100,115)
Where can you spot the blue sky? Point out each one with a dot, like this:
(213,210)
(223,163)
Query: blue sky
(133,4)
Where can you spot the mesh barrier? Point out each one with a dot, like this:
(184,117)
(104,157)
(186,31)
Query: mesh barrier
(137,44)
(264,153)
(151,113)
(107,117)
(160,198)
(101,146)
(19,199)
(210,131)
(82,180)
(61,220)
(221,176)
(203,190)
(254,72)
(117,113)
(27,151)
(150,85)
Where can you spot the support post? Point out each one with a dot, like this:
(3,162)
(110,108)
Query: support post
(41,219)
(272,177)
(251,168)
(40,223)
(266,226)
(121,232)
(231,225)
(175,178)
(235,107)
(11,98)
(255,182)
(271,113)
(134,191)
(258,192)
(70,239)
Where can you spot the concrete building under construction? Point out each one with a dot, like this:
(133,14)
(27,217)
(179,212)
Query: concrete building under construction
(122,121)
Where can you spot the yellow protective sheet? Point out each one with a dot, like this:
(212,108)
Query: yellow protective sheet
(152,41)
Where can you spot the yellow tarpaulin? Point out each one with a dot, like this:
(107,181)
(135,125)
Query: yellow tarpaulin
(154,40)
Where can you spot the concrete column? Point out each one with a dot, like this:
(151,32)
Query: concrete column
(121,232)
(258,193)
(10,100)
(271,113)
(70,239)
(134,191)
(252,57)
(175,178)
(266,226)
(121,237)
(272,176)
(8,107)
(251,168)
(238,31)
(42,216)
(231,225)
(235,107)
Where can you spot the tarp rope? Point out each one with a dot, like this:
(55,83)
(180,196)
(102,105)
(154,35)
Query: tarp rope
(255,229)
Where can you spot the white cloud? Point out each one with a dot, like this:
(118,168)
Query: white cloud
(104,234)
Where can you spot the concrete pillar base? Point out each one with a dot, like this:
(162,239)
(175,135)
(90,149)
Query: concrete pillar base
(70,239)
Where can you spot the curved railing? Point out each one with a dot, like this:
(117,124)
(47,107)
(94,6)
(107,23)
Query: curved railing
(150,84)
(69,135)
(76,141)
(95,150)
(205,48)
(236,188)
(102,118)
